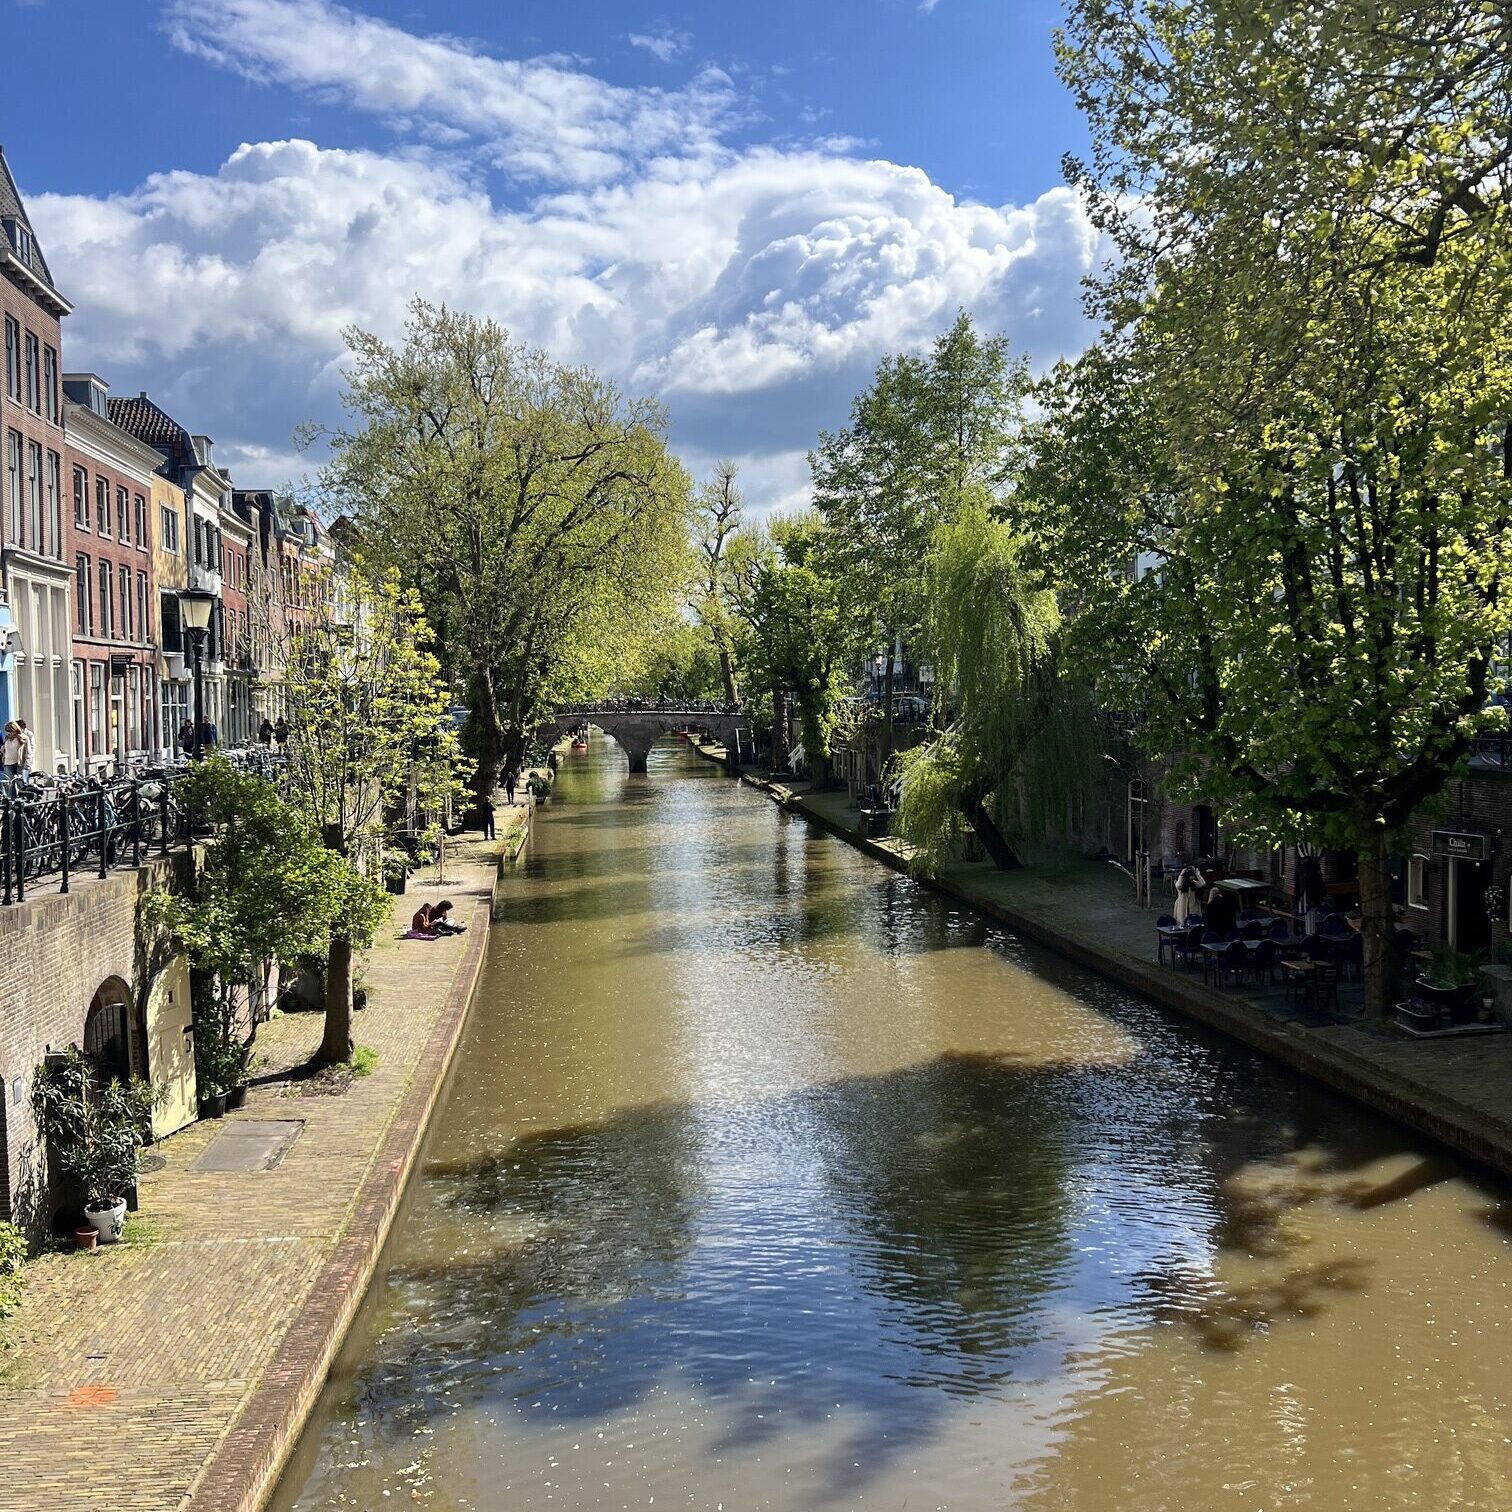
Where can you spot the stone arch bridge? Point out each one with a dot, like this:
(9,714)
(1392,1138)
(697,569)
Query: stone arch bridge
(637,726)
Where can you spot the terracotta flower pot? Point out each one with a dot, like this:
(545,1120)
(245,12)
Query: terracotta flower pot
(87,1236)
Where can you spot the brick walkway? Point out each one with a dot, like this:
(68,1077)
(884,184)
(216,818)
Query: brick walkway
(1458,1091)
(175,1367)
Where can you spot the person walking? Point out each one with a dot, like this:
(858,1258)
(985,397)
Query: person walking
(281,732)
(186,736)
(486,820)
(265,734)
(14,753)
(511,780)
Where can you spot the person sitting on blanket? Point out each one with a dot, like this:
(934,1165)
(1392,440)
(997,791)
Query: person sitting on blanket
(422,926)
(440,919)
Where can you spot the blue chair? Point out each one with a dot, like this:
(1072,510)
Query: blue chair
(1234,962)
(1279,930)
(1334,926)
(1251,930)
(1164,922)
(1263,961)
(1186,947)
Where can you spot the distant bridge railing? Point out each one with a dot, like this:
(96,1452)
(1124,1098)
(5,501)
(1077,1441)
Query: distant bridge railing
(650,706)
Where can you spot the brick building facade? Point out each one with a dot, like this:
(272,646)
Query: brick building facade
(34,567)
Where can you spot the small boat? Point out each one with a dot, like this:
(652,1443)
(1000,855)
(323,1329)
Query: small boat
(579,745)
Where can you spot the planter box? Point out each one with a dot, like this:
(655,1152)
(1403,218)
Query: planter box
(1496,982)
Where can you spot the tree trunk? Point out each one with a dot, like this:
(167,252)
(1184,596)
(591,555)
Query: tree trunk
(490,753)
(727,674)
(887,709)
(336,1044)
(1377,927)
(994,842)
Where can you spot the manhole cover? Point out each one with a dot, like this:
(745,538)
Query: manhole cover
(147,1164)
(250,1144)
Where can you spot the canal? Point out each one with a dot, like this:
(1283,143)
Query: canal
(766,1179)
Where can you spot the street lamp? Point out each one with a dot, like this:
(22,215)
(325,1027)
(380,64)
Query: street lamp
(196,605)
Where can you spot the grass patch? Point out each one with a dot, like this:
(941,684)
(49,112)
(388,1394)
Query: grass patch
(364,1060)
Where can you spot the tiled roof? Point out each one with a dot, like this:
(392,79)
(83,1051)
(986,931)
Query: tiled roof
(143,419)
(12,208)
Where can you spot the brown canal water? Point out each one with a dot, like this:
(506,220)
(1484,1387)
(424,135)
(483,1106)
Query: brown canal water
(768,1180)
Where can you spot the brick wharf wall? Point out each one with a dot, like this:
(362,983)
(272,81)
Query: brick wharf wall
(56,953)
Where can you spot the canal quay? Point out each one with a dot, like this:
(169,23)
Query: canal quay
(766,1178)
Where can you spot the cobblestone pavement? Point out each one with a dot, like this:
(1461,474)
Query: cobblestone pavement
(130,1365)
(1457,1090)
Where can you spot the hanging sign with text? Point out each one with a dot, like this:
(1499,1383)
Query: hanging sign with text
(1463,847)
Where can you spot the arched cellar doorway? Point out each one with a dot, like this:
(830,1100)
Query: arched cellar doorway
(108,1036)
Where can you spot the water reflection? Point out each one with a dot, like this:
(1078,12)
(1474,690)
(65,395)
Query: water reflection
(768,1180)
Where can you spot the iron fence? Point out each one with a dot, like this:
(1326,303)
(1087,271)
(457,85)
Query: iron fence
(64,827)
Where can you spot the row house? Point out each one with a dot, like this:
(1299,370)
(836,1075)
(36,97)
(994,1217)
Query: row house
(34,564)
(210,530)
(291,584)
(116,719)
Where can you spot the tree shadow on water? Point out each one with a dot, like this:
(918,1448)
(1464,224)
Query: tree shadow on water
(872,1250)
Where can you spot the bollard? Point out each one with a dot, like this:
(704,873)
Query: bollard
(64,804)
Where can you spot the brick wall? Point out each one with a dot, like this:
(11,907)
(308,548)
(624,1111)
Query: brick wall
(56,952)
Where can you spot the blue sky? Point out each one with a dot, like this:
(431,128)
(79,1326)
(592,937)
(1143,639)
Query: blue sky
(738,206)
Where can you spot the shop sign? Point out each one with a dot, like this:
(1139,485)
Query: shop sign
(1461,846)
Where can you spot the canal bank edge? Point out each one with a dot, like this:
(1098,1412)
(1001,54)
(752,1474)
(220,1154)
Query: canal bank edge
(1463,1129)
(244,1469)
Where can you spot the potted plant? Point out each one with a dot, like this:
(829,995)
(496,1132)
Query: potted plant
(94,1129)
(1448,984)
(220,1064)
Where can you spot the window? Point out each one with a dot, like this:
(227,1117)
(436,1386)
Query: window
(13,485)
(33,374)
(123,515)
(13,357)
(21,241)
(169,521)
(76,682)
(143,628)
(34,494)
(54,505)
(97,707)
(124,574)
(139,518)
(104,628)
(102,506)
(1417,880)
(81,498)
(50,383)
(82,600)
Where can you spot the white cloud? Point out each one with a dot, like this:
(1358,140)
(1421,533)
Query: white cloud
(756,288)
(663,43)
(541,117)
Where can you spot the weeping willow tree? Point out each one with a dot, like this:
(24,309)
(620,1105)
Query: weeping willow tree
(1019,740)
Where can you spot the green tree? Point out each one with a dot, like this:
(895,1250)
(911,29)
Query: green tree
(530,504)
(805,626)
(719,511)
(267,890)
(1292,448)
(929,431)
(369,734)
(1022,739)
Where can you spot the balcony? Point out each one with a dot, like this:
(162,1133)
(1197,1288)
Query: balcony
(204,579)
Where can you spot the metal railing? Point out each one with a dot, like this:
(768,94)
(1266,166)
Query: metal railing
(60,828)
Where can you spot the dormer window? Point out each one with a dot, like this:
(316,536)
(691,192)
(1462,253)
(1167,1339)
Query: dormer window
(20,240)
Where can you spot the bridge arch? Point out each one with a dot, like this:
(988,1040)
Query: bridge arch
(637,726)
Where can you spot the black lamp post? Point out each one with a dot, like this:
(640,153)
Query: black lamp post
(196,605)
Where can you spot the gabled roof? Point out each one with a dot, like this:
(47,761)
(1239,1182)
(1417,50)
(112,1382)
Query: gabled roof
(147,422)
(12,208)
